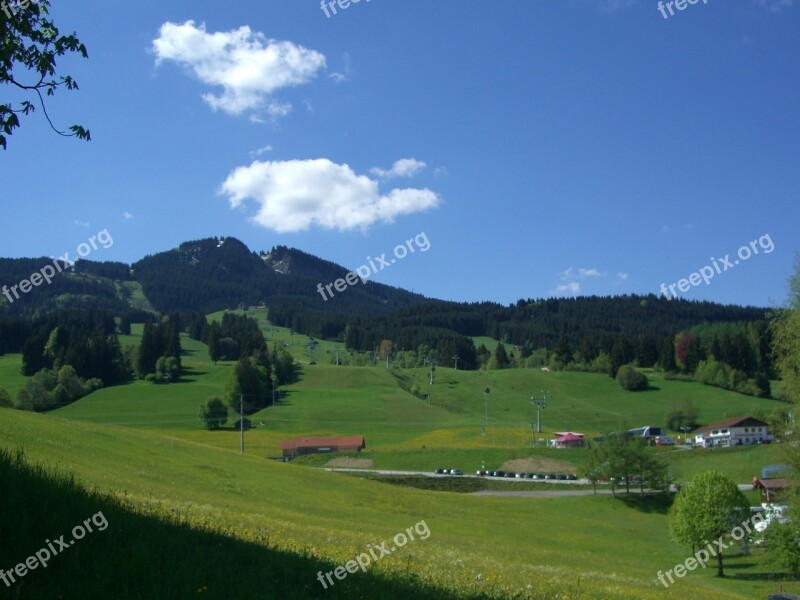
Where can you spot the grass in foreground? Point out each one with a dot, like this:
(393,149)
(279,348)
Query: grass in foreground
(587,547)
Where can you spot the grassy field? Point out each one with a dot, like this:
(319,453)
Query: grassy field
(144,443)
(586,547)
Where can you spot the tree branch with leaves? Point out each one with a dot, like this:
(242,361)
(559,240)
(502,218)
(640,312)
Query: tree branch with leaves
(29,45)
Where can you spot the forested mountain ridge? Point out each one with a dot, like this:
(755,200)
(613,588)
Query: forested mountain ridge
(218,273)
(212,274)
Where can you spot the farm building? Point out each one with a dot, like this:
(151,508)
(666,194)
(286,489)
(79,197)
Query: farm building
(320,445)
(771,489)
(567,439)
(733,432)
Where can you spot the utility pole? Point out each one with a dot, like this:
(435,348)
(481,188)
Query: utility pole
(388,353)
(431,362)
(455,358)
(241,423)
(486,408)
(273,386)
(540,405)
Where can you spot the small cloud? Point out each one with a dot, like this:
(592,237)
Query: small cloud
(260,151)
(127,216)
(580,273)
(405,167)
(81,223)
(277,109)
(345,73)
(622,277)
(567,289)
(584,273)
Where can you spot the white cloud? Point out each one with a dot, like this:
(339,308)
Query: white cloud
(567,289)
(295,195)
(622,278)
(346,72)
(127,216)
(260,151)
(81,223)
(247,65)
(580,273)
(405,167)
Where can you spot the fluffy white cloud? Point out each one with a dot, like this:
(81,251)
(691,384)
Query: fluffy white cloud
(405,167)
(295,195)
(248,66)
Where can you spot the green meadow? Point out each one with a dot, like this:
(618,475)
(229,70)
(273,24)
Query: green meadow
(246,526)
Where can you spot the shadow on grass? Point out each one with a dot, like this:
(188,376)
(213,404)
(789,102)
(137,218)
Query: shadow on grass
(658,502)
(158,554)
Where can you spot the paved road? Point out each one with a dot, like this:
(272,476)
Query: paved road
(525,494)
(510,480)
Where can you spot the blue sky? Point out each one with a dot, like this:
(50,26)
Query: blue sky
(549,148)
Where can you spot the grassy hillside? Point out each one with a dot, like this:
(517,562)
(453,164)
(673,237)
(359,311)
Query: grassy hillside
(588,547)
(275,522)
(405,432)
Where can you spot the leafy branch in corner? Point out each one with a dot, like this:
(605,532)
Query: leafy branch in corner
(31,42)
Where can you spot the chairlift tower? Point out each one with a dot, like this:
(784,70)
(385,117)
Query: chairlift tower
(540,404)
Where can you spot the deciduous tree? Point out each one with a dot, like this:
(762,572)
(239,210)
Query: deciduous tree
(707,509)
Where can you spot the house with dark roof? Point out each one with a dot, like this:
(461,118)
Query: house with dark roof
(736,431)
(320,445)
(771,489)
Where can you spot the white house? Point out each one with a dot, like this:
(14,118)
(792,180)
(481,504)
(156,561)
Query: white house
(733,432)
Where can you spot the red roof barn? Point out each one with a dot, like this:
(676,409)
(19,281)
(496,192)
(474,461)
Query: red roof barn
(320,445)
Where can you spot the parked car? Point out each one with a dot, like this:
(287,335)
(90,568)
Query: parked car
(456,472)
(529,475)
(562,477)
(572,477)
(440,471)
(549,476)
(520,475)
(538,475)
(480,473)
(510,474)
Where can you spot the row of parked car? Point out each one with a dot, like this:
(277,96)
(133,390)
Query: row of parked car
(510,474)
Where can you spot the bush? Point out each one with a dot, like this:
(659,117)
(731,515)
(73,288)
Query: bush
(213,413)
(631,379)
